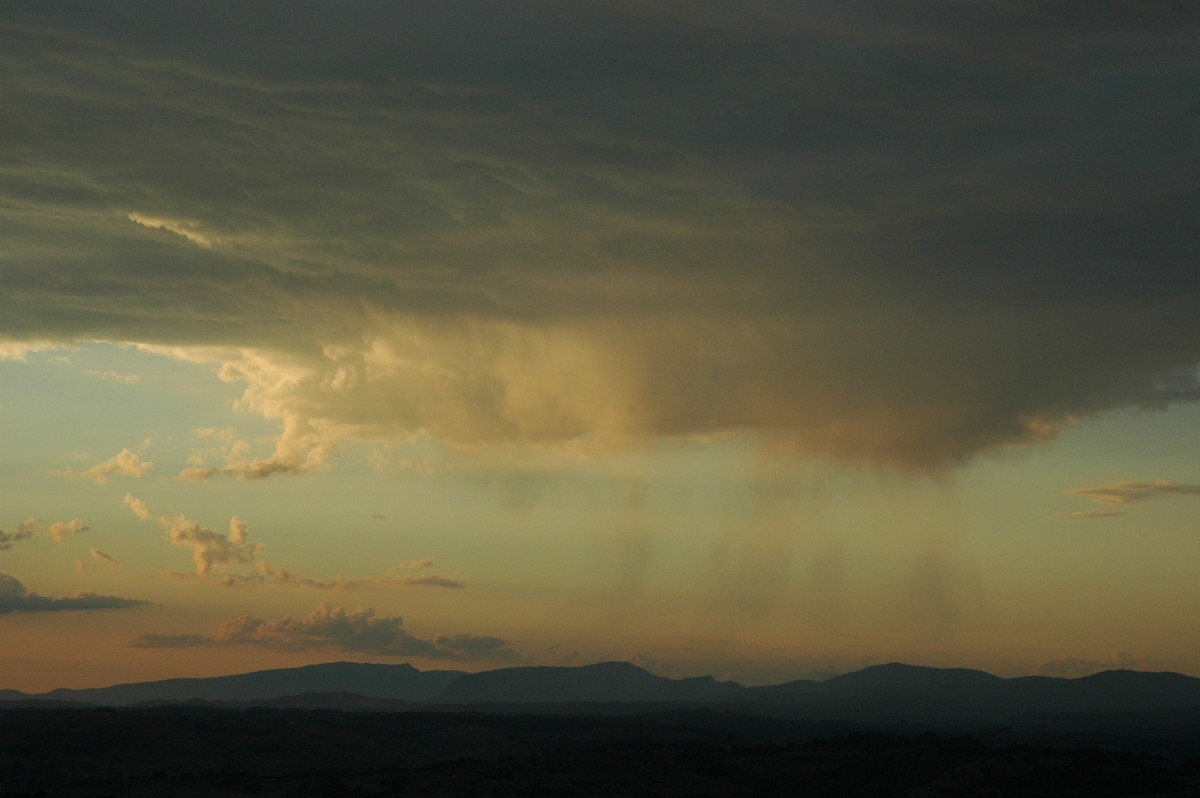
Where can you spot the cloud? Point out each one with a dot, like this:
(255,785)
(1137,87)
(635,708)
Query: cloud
(196,474)
(138,506)
(911,243)
(327,627)
(215,553)
(187,229)
(298,448)
(61,531)
(1091,514)
(284,576)
(126,379)
(1074,667)
(99,558)
(99,555)
(169,641)
(20,350)
(211,549)
(421,580)
(15,598)
(1129,492)
(124,463)
(25,530)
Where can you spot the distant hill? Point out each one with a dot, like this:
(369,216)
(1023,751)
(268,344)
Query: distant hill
(602,682)
(397,682)
(883,693)
(897,691)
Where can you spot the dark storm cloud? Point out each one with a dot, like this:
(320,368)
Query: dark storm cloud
(15,598)
(898,232)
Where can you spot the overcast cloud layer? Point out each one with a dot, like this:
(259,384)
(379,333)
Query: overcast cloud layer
(893,232)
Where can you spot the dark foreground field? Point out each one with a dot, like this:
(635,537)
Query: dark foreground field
(181,751)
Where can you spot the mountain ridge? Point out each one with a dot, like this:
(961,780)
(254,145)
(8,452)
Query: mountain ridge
(881,692)
(370,680)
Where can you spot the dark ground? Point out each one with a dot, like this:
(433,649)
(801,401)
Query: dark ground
(179,751)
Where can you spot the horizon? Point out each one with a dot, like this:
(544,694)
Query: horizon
(816,679)
(755,340)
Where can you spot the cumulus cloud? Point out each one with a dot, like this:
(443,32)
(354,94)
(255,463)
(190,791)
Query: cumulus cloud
(1129,492)
(298,448)
(216,553)
(25,530)
(211,549)
(15,598)
(139,507)
(327,627)
(124,463)
(381,239)
(61,531)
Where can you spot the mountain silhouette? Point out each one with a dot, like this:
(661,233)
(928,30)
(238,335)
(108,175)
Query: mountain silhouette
(602,682)
(892,692)
(398,682)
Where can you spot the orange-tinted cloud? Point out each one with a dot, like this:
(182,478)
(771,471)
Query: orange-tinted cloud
(15,598)
(1127,492)
(328,627)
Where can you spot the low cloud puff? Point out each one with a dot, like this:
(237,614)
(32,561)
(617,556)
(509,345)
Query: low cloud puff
(98,558)
(1128,492)
(125,463)
(62,531)
(1075,667)
(24,531)
(1081,514)
(215,552)
(15,598)
(328,627)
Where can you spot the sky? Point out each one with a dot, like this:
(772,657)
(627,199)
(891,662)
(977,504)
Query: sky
(760,339)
